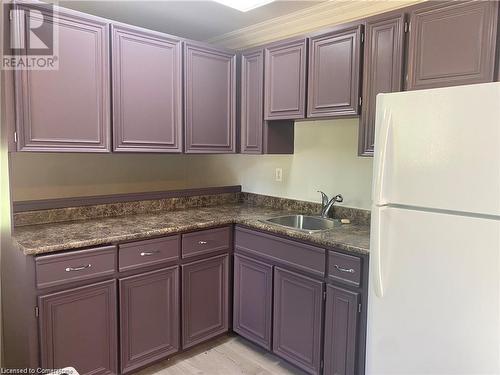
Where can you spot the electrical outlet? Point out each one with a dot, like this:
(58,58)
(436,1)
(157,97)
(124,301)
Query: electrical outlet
(278,174)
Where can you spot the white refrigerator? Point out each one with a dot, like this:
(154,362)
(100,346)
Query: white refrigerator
(434,288)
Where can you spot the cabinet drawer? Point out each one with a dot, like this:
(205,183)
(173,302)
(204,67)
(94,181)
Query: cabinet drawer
(344,268)
(294,254)
(206,241)
(148,252)
(74,266)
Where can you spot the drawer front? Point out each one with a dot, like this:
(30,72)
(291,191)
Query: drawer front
(308,258)
(344,268)
(206,241)
(148,253)
(57,269)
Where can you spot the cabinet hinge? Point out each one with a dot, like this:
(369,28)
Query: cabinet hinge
(360,101)
(322,364)
(11,17)
(362,37)
(15,137)
(359,307)
(37,311)
(324,296)
(407,26)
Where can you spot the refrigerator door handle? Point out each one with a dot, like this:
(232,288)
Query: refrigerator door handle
(375,248)
(380,164)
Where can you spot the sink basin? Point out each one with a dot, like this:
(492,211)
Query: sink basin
(304,223)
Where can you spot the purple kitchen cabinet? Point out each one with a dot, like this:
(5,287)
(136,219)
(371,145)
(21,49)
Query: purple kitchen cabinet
(67,109)
(452,43)
(205,293)
(149,317)
(285,80)
(210,99)
(341,325)
(383,70)
(252,302)
(298,313)
(334,72)
(78,329)
(147,90)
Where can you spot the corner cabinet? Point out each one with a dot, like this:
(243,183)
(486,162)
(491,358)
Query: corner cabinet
(383,70)
(66,109)
(452,44)
(285,80)
(210,99)
(334,72)
(147,90)
(78,329)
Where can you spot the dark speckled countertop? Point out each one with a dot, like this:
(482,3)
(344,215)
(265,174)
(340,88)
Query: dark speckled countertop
(44,238)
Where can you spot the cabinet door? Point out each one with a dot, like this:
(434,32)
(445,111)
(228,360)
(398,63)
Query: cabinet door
(253,291)
(297,319)
(334,72)
(78,329)
(210,99)
(383,70)
(252,105)
(284,82)
(147,93)
(149,317)
(204,300)
(341,324)
(452,44)
(67,109)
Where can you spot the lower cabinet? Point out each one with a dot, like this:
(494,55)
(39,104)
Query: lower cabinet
(149,317)
(252,303)
(298,302)
(341,324)
(78,329)
(204,299)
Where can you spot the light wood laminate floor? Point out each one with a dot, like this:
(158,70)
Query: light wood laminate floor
(228,355)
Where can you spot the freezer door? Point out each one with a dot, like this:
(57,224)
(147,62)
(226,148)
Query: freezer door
(439,149)
(434,294)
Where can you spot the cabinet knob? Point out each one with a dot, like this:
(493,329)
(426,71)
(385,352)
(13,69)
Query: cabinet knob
(347,270)
(202,242)
(71,269)
(149,253)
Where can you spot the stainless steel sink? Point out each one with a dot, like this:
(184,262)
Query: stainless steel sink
(304,223)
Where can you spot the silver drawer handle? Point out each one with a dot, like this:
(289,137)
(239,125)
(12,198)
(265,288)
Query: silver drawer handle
(202,242)
(348,270)
(70,269)
(149,253)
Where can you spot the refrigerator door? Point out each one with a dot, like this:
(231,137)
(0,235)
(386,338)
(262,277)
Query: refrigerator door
(439,149)
(434,294)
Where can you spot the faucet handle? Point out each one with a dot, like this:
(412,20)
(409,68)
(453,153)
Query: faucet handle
(338,198)
(324,198)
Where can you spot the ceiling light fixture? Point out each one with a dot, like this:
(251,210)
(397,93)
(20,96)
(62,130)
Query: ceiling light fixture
(244,5)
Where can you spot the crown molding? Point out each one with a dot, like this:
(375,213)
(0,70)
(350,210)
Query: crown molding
(307,20)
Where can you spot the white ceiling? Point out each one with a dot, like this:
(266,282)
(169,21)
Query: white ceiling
(199,20)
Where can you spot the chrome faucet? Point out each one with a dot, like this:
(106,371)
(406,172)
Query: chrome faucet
(326,203)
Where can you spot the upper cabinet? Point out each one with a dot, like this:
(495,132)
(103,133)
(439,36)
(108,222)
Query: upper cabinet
(67,109)
(147,90)
(383,69)
(210,99)
(452,44)
(285,80)
(334,72)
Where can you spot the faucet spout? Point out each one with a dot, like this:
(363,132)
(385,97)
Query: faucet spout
(327,204)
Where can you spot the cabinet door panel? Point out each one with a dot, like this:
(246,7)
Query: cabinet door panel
(452,44)
(210,100)
(297,319)
(383,70)
(341,324)
(253,288)
(204,300)
(334,73)
(78,329)
(146,91)
(285,77)
(67,109)
(149,317)
(252,106)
